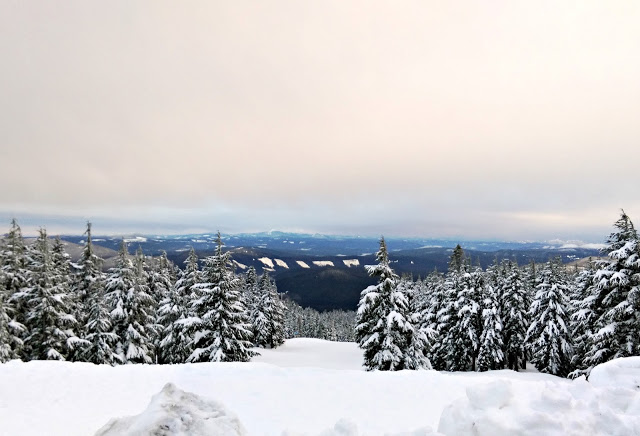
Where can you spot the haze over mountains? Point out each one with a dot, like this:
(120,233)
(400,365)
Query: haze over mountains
(327,272)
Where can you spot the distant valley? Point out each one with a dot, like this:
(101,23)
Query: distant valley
(327,272)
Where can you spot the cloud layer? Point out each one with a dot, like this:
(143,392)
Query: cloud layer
(503,120)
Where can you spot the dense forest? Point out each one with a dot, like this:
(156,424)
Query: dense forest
(143,310)
(564,320)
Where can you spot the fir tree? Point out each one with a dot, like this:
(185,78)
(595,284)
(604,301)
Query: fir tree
(462,340)
(548,336)
(383,331)
(514,296)
(10,342)
(223,334)
(175,314)
(15,275)
(419,340)
(132,309)
(490,355)
(616,295)
(268,315)
(583,318)
(49,322)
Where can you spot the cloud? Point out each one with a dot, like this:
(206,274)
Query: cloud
(359,116)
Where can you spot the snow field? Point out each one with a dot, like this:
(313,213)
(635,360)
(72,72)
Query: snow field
(313,387)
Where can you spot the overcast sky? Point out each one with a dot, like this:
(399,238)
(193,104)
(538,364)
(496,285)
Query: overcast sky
(511,120)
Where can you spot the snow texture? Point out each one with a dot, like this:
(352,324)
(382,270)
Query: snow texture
(177,413)
(313,387)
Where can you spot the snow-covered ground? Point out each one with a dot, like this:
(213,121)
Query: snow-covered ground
(311,387)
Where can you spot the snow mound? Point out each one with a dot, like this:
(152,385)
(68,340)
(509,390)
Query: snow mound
(302,264)
(623,372)
(173,412)
(502,408)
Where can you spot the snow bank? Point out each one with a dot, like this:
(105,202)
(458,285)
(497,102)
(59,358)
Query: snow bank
(503,408)
(302,264)
(174,412)
(623,372)
(312,387)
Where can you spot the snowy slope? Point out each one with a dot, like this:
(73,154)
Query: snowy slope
(310,386)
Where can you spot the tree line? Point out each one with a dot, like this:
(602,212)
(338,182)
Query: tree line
(144,310)
(564,321)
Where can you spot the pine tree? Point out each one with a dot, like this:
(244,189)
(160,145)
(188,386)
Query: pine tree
(89,280)
(383,331)
(616,297)
(175,314)
(10,342)
(548,337)
(15,275)
(223,334)
(160,277)
(419,339)
(583,318)
(268,315)
(490,356)
(132,309)
(514,296)
(49,322)
(462,340)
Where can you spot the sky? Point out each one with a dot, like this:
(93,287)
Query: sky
(502,120)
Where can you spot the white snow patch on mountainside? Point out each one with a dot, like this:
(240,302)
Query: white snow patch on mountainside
(281,263)
(135,239)
(312,387)
(302,264)
(323,263)
(351,262)
(266,261)
(240,265)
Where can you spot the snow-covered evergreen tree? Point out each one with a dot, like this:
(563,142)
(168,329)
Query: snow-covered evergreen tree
(176,316)
(223,333)
(132,310)
(10,342)
(160,277)
(462,339)
(513,294)
(548,336)
(583,318)
(49,322)
(490,355)
(268,315)
(419,340)
(616,297)
(15,275)
(383,329)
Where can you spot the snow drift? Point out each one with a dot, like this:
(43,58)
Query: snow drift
(173,412)
(311,387)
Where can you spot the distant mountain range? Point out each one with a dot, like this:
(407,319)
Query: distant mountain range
(327,272)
